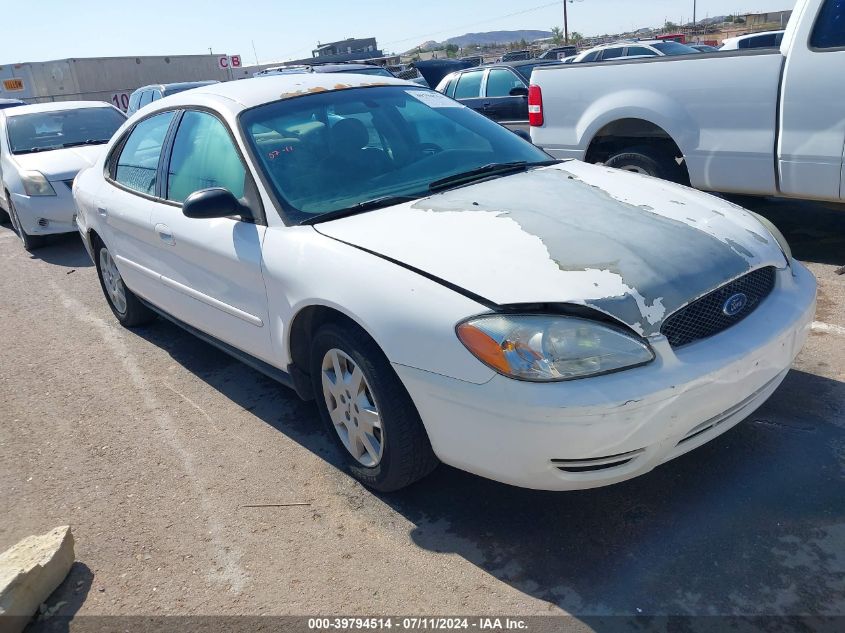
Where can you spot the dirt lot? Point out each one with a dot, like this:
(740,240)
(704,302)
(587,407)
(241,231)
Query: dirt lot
(152,444)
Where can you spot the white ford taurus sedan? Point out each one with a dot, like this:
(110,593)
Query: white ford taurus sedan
(441,288)
(42,147)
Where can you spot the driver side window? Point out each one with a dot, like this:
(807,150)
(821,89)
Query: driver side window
(203,156)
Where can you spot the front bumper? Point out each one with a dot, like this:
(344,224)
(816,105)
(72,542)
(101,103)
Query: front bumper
(603,430)
(46,215)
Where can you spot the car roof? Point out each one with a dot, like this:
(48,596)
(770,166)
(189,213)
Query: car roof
(332,68)
(55,106)
(179,84)
(247,93)
(750,35)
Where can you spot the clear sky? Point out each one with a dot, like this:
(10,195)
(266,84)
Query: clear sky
(38,30)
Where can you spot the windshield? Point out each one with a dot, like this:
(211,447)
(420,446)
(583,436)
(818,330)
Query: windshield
(334,150)
(43,131)
(674,48)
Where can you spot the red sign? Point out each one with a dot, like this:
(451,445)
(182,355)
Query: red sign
(235,61)
(225,61)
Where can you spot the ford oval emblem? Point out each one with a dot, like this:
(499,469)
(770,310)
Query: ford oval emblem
(735,304)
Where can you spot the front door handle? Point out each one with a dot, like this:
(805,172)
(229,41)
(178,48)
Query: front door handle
(102,211)
(164,234)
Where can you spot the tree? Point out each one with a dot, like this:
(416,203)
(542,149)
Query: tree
(576,37)
(451,50)
(557,35)
(670,26)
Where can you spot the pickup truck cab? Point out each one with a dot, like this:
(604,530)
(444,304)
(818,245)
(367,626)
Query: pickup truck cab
(753,121)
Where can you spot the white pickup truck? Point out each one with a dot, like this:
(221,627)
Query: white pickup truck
(760,122)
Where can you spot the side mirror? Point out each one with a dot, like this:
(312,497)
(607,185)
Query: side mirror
(213,203)
(519,91)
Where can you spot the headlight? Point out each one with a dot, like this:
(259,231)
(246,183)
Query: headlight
(779,238)
(550,348)
(35,184)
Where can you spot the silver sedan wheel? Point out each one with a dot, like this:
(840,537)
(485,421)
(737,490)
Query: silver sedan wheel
(352,408)
(112,281)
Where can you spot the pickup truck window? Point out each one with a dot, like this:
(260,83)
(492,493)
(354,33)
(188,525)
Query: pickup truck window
(469,85)
(829,31)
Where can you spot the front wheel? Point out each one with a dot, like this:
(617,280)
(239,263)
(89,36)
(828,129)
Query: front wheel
(648,161)
(367,410)
(30,242)
(123,303)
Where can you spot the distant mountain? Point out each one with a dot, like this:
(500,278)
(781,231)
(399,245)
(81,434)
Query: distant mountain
(497,37)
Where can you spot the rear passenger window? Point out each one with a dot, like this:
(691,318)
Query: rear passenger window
(469,85)
(591,57)
(203,156)
(138,161)
(829,31)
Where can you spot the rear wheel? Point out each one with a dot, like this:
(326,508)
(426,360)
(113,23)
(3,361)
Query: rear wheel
(30,242)
(649,161)
(123,303)
(367,410)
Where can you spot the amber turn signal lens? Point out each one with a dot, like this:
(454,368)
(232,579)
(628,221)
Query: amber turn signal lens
(484,347)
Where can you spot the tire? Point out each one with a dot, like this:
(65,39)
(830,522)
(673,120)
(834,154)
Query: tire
(649,161)
(30,242)
(124,304)
(399,451)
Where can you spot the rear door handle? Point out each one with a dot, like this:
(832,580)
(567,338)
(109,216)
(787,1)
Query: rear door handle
(102,211)
(164,234)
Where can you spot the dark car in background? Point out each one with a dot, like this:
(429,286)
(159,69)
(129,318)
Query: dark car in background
(559,52)
(517,56)
(10,103)
(704,48)
(147,94)
(498,91)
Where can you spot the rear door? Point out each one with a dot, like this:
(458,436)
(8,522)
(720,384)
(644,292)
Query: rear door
(499,105)
(210,269)
(812,124)
(468,89)
(125,204)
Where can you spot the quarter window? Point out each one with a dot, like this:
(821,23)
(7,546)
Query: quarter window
(138,161)
(612,53)
(829,31)
(469,85)
(634,51)
(203,156)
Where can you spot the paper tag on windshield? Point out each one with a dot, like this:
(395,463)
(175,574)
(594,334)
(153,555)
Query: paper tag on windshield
(434,99)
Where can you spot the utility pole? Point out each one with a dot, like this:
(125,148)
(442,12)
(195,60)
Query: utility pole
(693,13)
(565,24)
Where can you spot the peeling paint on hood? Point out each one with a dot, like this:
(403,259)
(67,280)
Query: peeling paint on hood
(633,247)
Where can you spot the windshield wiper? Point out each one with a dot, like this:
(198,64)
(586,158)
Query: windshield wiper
(361,207)
(90,141)
(485,171)
(33,150)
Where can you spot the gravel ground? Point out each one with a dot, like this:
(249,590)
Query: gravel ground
(152,445)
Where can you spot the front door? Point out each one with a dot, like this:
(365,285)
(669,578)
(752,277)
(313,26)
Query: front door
(812,137)
(210,269)
(468,90)
(500,105)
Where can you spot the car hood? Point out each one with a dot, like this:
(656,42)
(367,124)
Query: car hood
(60,164)
(633,247)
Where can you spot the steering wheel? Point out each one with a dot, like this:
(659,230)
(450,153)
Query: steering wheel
(429,149)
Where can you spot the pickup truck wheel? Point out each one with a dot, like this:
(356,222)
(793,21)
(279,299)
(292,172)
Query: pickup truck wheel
(367,411)
(127,308)
(648,161)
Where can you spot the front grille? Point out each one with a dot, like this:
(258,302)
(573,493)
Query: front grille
(707,316)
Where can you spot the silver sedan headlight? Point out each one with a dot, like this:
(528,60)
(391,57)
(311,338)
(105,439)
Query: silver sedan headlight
(550,348)
(36,184)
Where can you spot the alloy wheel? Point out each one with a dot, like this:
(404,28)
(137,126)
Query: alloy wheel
(112,281)
(352,408)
